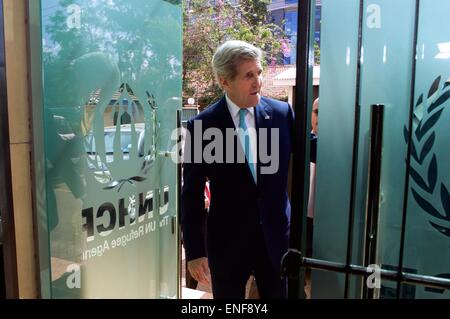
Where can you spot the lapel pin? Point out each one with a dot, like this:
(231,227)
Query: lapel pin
(267,117)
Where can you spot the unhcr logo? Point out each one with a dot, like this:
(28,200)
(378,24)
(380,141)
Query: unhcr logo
(122,153)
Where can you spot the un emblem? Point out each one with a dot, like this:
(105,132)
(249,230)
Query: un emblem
(121,144)
(423,166)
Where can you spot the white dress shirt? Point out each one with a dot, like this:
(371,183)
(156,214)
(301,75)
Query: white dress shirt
(251,127)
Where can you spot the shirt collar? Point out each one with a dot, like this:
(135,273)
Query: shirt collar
(234,109)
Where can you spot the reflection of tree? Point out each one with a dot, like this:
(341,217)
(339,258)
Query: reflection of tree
(117,41)
(135,33)
(122,41)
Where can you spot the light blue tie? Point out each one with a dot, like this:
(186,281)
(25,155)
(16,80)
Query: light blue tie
(245,141)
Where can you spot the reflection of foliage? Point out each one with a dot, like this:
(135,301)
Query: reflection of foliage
(116,42)
(427,112)
(133,33)
(207,26)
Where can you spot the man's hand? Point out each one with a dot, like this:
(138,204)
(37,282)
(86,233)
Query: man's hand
(199,270)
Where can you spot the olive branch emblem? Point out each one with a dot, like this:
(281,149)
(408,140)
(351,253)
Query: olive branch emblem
(427,112)
(143,129)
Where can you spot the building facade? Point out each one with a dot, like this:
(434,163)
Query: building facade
(285,13)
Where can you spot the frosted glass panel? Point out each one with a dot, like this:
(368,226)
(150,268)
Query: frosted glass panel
(339,53)
(387,48)
(111,87)
(387,57)
(427,247)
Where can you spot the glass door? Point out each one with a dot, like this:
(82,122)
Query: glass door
(391,56)
(106,90)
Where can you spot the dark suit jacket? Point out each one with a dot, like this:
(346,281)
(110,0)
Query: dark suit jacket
(239,208)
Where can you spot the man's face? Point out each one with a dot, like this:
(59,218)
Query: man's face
(244,89)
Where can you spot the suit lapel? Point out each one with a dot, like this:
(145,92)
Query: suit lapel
(223,115)
(263,113)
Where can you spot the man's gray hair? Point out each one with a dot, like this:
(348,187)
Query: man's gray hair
(229,55)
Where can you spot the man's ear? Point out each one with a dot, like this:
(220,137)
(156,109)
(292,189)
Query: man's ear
(223,82)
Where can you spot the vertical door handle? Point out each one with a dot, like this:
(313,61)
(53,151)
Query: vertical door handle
(373,190)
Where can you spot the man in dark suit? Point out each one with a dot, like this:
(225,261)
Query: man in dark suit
(242,144)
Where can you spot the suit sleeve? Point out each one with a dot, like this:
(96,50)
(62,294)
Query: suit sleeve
(192,198)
